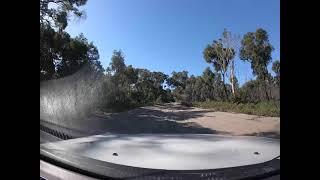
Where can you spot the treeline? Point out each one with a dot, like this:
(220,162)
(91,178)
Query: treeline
(128,86)
(124,86)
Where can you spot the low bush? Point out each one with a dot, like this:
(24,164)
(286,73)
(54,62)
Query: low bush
(265,108)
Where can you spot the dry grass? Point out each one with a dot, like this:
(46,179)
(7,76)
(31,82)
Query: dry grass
(270,108)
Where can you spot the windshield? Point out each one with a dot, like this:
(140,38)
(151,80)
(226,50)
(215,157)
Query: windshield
(173,85)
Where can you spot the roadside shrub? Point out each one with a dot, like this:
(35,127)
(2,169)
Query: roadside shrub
(185,103)
(264,108)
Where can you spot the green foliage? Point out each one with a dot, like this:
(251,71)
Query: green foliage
(117,64)
(208,86)
(253,91)
(47,56)
(55,13)
(276,69)
(132,87)
(61,55)
(77,52)
(178,79)
(256,49)
(220,54)
(263,108)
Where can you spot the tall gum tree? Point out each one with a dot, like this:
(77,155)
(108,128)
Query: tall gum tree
(256,49)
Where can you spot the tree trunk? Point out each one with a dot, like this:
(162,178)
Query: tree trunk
(224,86)
(232,78)
(267,93)
(266,89)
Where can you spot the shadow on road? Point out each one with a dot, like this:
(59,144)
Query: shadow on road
(148,120)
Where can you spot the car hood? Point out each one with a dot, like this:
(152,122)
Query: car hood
(172,152)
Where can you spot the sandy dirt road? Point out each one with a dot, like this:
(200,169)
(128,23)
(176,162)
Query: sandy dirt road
(174,118)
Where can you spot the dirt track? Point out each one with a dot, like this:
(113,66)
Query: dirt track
(174,118)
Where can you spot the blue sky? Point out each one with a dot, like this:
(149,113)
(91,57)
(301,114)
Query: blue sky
(170,35)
